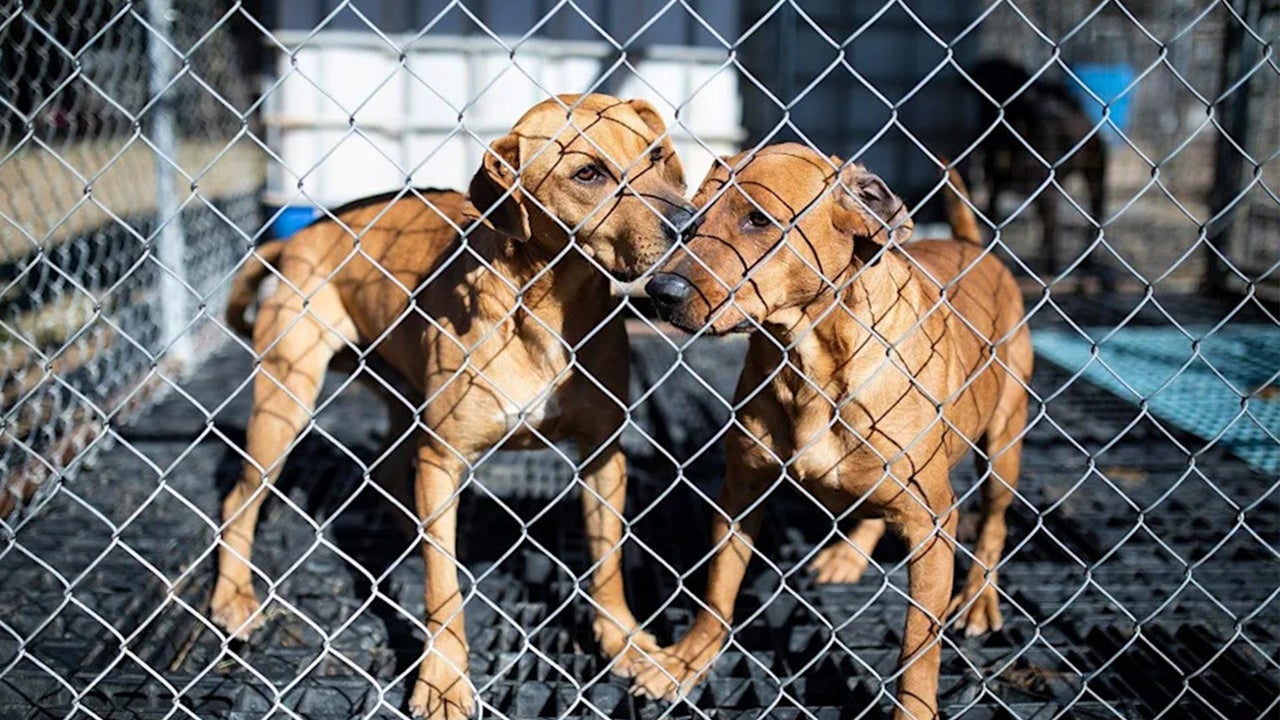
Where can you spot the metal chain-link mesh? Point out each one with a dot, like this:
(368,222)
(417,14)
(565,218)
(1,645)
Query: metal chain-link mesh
(84,285)
(1125,163)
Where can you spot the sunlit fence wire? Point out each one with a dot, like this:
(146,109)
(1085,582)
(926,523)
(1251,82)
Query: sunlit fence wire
(130,185)
(147,147)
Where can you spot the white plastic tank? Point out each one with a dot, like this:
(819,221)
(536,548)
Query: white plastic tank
(354,113)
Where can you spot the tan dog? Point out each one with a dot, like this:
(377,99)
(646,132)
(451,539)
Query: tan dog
(509,339)
(876,369)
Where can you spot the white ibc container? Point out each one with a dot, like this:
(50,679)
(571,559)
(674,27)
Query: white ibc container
(351,115)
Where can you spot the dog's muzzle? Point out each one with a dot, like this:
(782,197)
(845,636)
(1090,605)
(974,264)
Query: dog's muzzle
(680,224)
(668,292)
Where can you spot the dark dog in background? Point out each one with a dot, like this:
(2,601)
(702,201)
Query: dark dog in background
(1040,116)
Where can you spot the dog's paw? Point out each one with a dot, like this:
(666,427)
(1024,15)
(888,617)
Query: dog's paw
(441,692)
(980,616)
(628,650)
(838,562)
(670,673)
(239,613)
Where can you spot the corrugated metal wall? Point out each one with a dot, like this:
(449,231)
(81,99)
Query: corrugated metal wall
(839,111)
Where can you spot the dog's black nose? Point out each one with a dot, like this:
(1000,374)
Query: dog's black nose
(667,289)
(691,228)
(679,223)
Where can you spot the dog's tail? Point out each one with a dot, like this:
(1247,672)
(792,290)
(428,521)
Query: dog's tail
(964,226)
(244,288)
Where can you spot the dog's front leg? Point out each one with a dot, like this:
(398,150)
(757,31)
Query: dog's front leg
(673,671)
(603,500)
(442,690)
(1047,209)
(930,534)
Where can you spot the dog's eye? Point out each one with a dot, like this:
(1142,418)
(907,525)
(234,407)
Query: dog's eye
(758,219)
(588,173)
(655,155)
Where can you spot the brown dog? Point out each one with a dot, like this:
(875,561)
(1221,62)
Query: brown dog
(510,336)
(876,368)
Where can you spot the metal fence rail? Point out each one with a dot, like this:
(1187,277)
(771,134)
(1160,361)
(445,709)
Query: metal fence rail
(147,148)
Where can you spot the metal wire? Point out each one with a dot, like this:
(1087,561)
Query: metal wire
(137,138)
(122,217)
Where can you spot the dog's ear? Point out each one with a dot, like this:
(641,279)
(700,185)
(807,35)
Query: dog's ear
(707,189)
(498,174)
(865,208)
(673,169)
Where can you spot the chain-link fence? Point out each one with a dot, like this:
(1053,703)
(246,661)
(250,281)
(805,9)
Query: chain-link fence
(130,173)
(161,157)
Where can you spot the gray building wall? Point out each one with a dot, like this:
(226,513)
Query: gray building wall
(840,114)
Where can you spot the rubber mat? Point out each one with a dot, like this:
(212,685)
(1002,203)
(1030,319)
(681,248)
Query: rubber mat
(1137,584)
(1222,385)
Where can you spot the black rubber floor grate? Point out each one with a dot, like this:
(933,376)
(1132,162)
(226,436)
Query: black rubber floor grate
(1138,584)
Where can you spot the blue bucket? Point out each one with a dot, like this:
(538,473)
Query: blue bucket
(291,219)
(1107,82)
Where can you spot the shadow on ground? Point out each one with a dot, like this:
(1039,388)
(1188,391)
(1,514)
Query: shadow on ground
(1126,562)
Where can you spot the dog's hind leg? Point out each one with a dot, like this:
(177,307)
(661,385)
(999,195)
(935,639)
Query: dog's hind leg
(844,560)
(1047,209)
(1095,176)
(594,405)
(395,473)
(977,605)
(295,338)
(735,524)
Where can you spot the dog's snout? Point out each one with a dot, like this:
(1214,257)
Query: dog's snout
(667,289)
(691,228)
(679,223)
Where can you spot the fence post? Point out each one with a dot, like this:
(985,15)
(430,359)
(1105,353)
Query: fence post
(168,243)
(1239,55)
